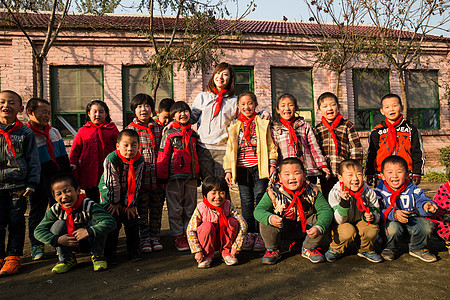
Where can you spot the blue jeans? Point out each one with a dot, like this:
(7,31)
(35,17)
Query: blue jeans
(418,228)
(12,209)
(97,244)
(251,190)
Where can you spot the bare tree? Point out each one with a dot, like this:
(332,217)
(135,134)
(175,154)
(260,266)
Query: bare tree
(402,29)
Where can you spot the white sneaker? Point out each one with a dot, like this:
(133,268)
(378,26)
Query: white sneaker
(146,246)
(230,260)
(206,263)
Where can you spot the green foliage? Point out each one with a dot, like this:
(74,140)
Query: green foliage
(434,177)
(444,158)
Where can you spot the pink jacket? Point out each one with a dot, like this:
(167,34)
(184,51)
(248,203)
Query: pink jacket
(87,153)
(208,215)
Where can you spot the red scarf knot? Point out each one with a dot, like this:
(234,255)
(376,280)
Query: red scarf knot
(359,200)
(45,133)
(131,181)
(7,135)
(293,140)
(247,122)
(331,128)
(223,221)
(393,198)
(392,134)
(148,129)
(69,212)
(297,200)
(218,103)
(186,136)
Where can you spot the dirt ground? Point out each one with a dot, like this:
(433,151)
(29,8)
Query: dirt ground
(172,274)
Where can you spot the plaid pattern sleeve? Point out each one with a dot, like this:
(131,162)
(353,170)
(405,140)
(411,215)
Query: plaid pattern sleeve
(242,227)
(356,150)
(191,231)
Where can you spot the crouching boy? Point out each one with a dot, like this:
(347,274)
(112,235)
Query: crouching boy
(356,211)
(74,223)
(291,208)
(403,206)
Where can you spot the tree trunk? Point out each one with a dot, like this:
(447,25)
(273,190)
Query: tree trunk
(338,78)
(401,80)
(38,68)
(155,89)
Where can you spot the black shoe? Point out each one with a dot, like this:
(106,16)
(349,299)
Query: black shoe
(135,256)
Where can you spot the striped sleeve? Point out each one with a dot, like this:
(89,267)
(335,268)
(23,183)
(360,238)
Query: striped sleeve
(112,182)
(191,231)
(356,150)
(319,159)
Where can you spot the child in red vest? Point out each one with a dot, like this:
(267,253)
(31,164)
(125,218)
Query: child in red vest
(96,139)
(215,225)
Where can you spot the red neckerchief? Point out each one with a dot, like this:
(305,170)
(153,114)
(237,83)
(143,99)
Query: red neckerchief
(131,175)
(218,103)
(45,132)
(7,135)
(447,186)
(186,136)
(223,221)
(393,198)
(247,126)
(148,129)
(359,200)
(69,212)
(100,137)
(159,122)
(331,128)
(392,133)
(297,200)
(292,135)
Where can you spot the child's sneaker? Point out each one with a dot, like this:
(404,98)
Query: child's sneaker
(37,252)
(230,260)
(332,255)
(423,254)
(99,263)
(135,256)
(249,241)
(181,244)
(388,254)
(146,246)
(313,255)
(371,256)
(11,265)
(64,266)
(271,257)
(206,263)
(156,245)
(258,246)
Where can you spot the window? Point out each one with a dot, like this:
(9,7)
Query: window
(369,86)
(244,79)
(71,90)
(133,83)
(298,82)
(423,98)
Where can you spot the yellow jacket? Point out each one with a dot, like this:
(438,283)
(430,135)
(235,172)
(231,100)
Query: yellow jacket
(265,148)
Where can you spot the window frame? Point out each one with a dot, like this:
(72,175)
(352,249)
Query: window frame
(274,94)
(251,71)
(53,91)
(126,109)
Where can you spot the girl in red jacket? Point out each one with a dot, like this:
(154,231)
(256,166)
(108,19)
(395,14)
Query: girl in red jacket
(93,142)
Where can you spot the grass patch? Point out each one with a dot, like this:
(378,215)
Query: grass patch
(435,177)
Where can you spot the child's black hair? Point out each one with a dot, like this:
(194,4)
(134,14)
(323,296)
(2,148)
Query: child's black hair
(250,94)
(128,132)
(14,94)
(277,116)
(291,161)
(140,99)
(327,95)
(214,182)
(33,103)
(97,102)
(391,96)
(64,177)
(179,106)
(394,159)
(165,104)
(348,163)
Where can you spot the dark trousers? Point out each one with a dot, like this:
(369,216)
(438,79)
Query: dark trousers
(95,245)
(327,184)
(251,190)
(12,209)
(131,232)
(93,194)
(38,206)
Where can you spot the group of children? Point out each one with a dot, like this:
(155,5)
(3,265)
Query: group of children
(128,175)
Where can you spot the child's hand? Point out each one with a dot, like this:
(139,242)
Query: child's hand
(27,193)
(402,216)
(313,232)
(114,209)
(80,234)
(327,172)
(228,179)
(234,252)
(369,217)
(276,221)
(198,257)
(66,240)
(430,207)
(131,212)
(265,115)
(345,194)
(272,170)
(416,179)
